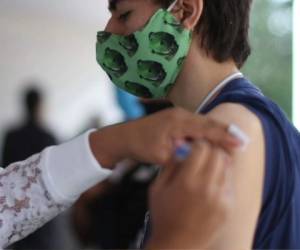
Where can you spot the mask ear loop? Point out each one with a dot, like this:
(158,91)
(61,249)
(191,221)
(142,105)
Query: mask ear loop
(172,6)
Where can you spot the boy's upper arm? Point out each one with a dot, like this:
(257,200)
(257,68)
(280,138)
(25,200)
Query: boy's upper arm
(248,171)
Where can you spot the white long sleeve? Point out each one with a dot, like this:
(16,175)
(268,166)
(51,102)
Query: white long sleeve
(34,191)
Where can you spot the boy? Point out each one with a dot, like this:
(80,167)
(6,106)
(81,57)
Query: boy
(191,54)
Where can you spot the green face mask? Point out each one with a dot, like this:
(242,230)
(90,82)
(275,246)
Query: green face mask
(147,62)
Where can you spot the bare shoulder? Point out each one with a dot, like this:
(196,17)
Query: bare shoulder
(248,171)
(239,115)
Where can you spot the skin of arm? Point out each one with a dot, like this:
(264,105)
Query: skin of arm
(248,175)
(151,139)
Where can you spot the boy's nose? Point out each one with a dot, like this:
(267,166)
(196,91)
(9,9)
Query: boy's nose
(113,27)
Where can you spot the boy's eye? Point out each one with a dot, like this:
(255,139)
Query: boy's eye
(124,17)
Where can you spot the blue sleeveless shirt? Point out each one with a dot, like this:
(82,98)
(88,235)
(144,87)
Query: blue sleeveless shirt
(279,221)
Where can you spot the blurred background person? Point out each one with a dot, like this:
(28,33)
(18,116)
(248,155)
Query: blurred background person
(30,137)
(21,142)
(111,216)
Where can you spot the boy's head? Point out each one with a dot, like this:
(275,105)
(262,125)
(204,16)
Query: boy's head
(220,26)
(32,102)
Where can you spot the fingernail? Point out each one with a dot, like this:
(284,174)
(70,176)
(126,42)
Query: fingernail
(235,131)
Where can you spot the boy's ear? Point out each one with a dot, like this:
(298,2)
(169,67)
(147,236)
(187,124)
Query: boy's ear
(188,12)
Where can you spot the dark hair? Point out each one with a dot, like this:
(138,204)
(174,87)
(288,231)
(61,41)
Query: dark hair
(32,99)
(224,29)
